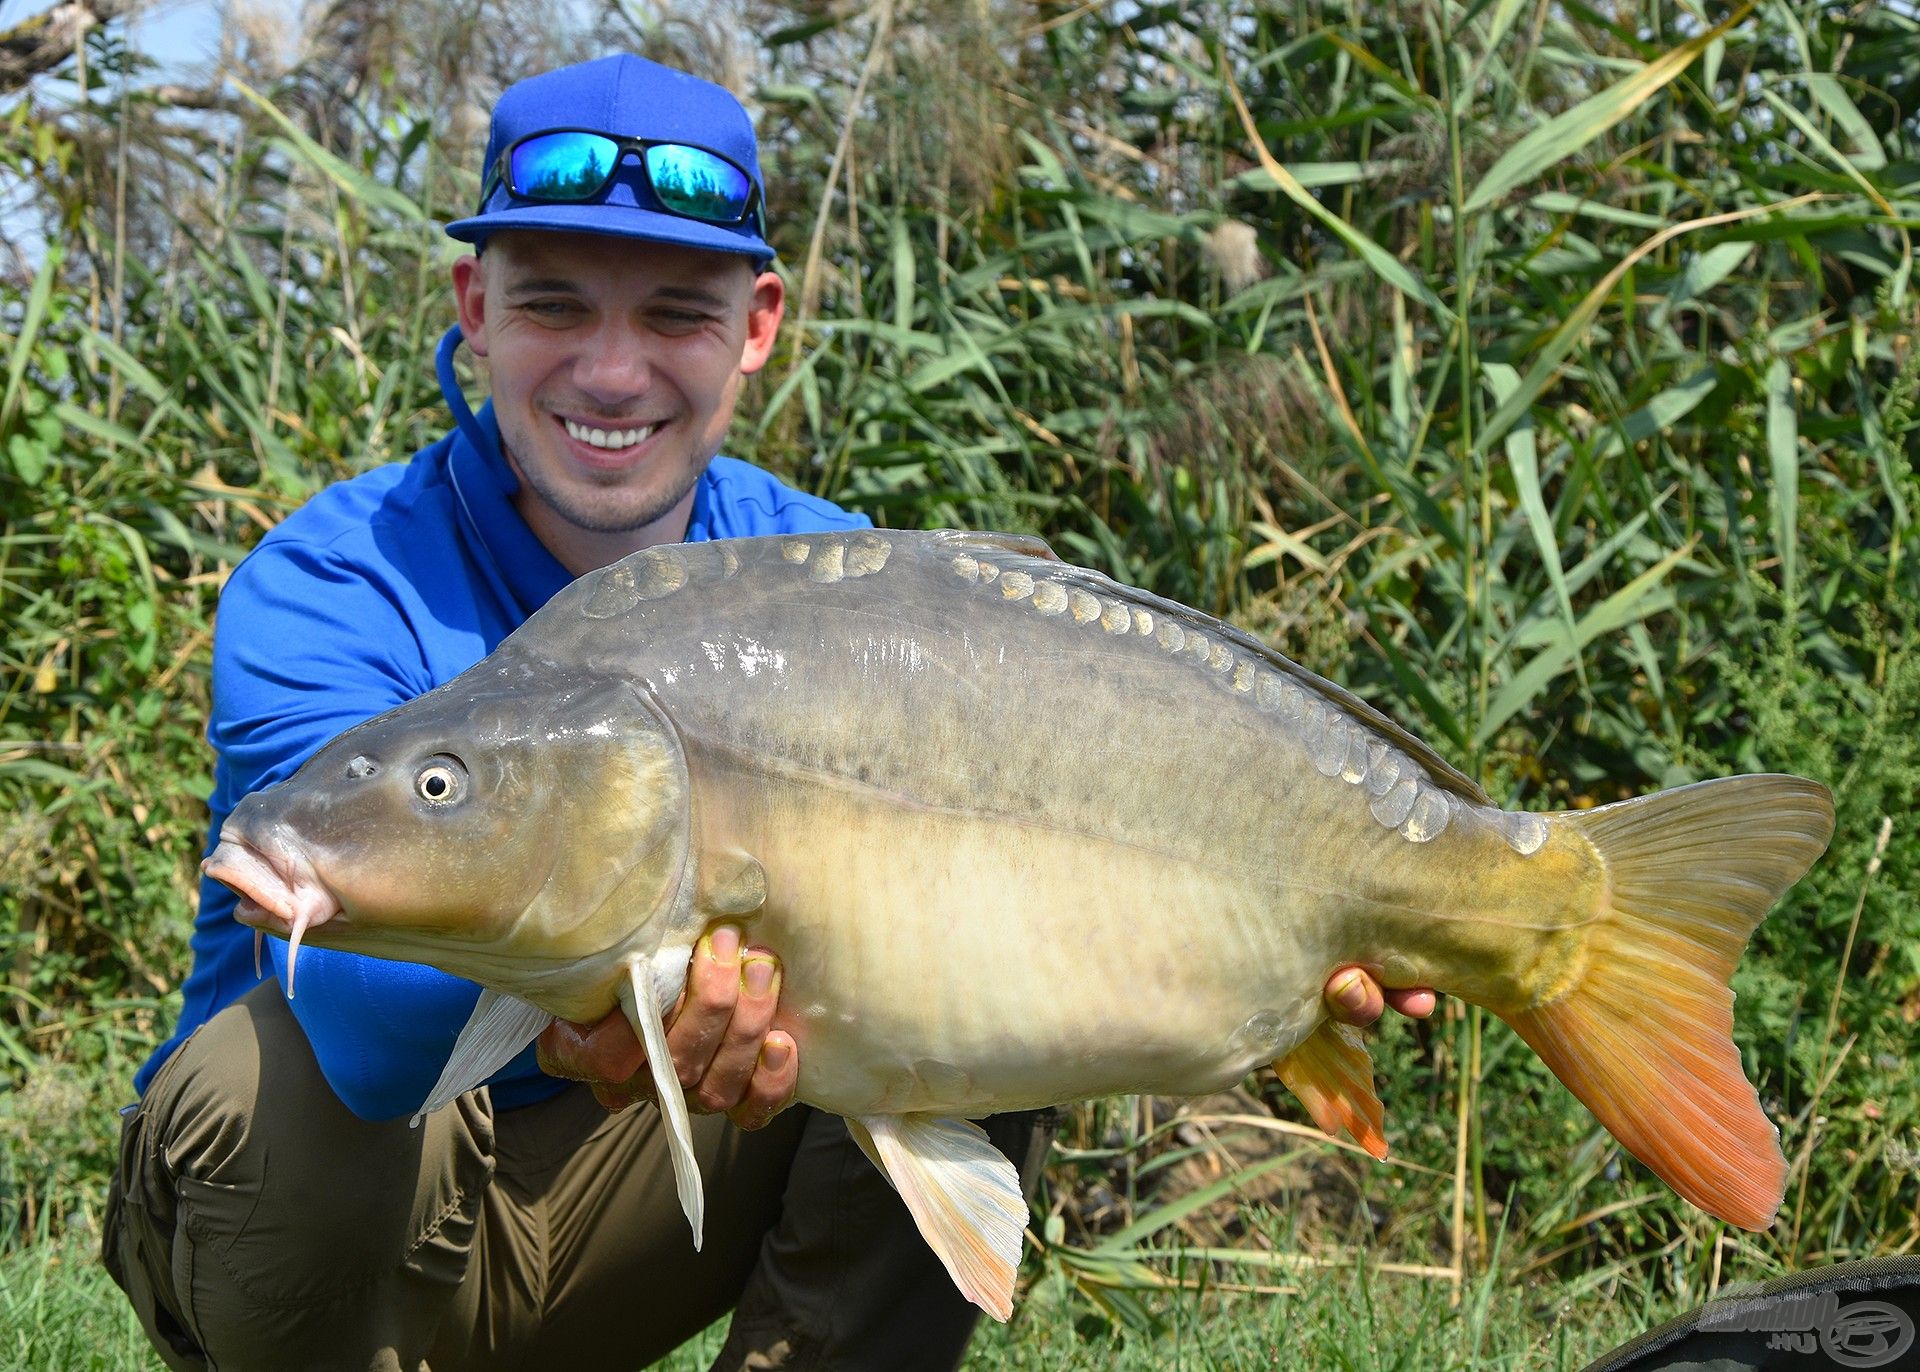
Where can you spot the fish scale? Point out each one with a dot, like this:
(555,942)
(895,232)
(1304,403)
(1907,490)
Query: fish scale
(1020,835)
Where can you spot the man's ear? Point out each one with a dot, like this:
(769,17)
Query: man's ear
(765,309)
(470,297)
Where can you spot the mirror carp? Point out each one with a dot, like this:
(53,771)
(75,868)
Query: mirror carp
(1020,835)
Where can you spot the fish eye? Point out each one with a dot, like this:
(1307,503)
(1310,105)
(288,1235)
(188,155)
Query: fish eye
(441,782)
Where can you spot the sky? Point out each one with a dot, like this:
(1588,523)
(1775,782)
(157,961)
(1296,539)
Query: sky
(180,35)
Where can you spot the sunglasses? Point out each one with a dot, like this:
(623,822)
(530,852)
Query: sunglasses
(571,165)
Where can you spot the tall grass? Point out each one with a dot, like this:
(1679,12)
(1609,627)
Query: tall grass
(1545,373)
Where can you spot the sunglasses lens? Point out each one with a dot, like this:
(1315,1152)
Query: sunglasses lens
(698,184)
(564,166)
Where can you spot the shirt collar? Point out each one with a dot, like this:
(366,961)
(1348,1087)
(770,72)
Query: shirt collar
(529,574)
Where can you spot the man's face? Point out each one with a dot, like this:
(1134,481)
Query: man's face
(614,366)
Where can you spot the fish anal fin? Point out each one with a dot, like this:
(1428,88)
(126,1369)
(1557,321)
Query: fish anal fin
(638,997)
(962,1192)
(499,1027)
(1332,1074)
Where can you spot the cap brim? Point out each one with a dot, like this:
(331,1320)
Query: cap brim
(614,221)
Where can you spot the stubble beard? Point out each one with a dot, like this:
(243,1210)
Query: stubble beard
(607,515)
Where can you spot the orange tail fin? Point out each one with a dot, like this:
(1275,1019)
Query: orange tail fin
(1644,1038)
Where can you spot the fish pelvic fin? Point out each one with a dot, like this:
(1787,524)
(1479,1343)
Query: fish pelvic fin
(1332,1074)
(1644,1036)
(642,1005)
(961,1191)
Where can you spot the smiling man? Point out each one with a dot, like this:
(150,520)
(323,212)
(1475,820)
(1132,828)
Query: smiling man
(272,1208)
(609,439)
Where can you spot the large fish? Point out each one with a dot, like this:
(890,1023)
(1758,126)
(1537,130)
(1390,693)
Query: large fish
(1020,835)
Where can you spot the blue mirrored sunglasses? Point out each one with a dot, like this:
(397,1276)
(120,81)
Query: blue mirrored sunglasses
(570,165)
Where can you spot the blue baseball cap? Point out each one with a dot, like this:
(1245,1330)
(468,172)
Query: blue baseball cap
(628,97)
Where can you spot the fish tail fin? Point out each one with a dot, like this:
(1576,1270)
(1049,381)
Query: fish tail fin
(1644,1036)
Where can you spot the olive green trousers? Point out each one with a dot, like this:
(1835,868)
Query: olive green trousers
(256,1223)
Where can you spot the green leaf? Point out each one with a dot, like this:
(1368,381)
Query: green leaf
(1523,460)
(1637,600)
(30,321)
(1313,174)
(1115,1244)
(1565,134)
(131,369)
(1783,458)
(1564,339)
(347,177)
(101,428)
(903,275)
(1383,263)
(1660,413)
(1559,202)
(1702,273)
(1831,96)
(29,458)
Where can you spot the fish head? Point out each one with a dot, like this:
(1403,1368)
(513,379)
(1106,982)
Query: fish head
(501,827)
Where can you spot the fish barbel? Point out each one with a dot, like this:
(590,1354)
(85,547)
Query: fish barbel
(1020,835)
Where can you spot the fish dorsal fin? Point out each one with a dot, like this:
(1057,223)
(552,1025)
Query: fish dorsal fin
(994,544)
(1332,1074)
(499,1027)
(641,1000)
(1012,552)
(961,1191)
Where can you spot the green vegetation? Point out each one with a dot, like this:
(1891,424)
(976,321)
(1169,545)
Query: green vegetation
(1546,373)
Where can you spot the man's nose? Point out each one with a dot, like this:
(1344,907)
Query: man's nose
(616,364)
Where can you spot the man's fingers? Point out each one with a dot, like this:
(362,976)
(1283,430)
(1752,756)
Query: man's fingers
(604,1052)
(618,1096)
(1353,997)
(713,988)
(774,1078)
(1415,1002)
(715,1035)
(729,1076)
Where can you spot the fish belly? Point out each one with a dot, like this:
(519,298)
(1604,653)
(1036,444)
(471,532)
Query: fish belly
(967,963)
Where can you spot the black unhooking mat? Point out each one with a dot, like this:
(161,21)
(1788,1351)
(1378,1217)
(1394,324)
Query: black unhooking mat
(1850,1315)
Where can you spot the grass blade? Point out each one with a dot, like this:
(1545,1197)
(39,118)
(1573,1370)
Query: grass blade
(1384,264)
(1565,134)
(1523,459)
(1564,339)
(1783,457)
(1637,600)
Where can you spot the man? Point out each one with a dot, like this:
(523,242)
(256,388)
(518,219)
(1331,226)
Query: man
(272,1207)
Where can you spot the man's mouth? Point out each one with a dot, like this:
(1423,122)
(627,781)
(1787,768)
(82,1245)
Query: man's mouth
(278,889)
(609,439)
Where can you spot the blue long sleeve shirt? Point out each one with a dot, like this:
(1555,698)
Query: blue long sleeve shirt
(377,590)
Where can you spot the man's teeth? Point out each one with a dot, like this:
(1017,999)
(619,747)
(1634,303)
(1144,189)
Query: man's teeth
(609,438)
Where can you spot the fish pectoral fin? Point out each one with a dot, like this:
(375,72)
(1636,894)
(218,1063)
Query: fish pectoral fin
(962,1192)
(1332,1074)
(737,885)
(499,1027)
(637,997)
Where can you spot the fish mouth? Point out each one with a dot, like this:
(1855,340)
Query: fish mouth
(279,892)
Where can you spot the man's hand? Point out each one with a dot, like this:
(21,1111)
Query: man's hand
(1354,997)
(724,1051)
